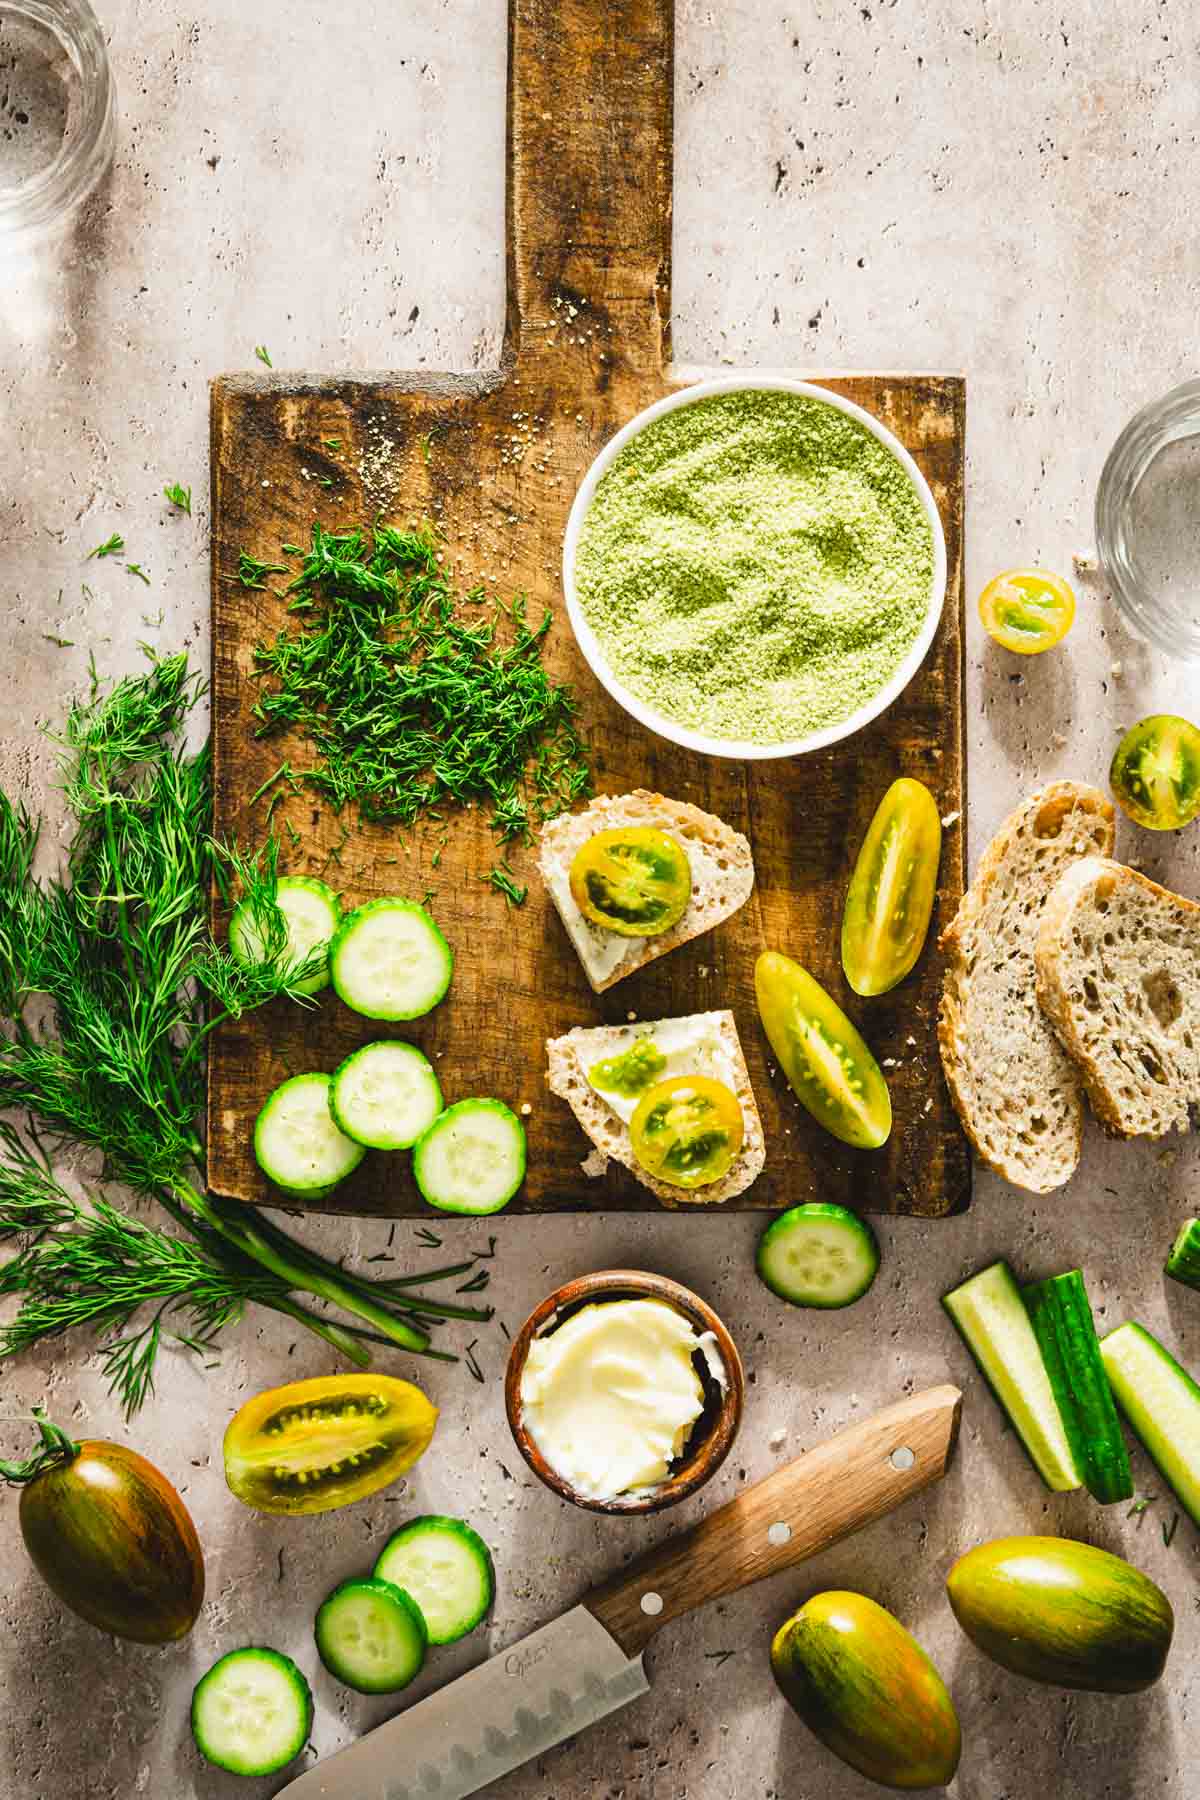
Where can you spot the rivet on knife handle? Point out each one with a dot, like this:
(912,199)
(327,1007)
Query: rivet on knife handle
(834,1489)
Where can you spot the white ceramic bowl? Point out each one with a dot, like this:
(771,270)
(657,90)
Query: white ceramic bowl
(698,740)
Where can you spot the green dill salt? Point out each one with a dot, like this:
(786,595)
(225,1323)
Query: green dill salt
(755,565)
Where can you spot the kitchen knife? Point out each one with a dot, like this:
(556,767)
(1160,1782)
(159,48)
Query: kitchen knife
(588,1663)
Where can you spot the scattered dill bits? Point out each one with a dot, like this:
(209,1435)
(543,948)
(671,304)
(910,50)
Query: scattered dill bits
(263,355)
(1169,1531)
(429,1238)
(332,443)
(153,620)
(485,1255)
(1139,1506)
(472,1361)
(414,698)
(137,569)
(180,497)
(60,643)
(112,546)
(251,571)
(476,1284)
(718,1656)
(501,878)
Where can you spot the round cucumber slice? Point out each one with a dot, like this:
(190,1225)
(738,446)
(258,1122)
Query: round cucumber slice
(472,1159)
(389,960)
(297,1144)
(252,1712)
(385,1095)
(311,913)
(818,1255)
(371,1635)
(447,1569)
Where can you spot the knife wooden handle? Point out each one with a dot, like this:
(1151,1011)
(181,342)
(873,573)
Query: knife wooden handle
(855,1478)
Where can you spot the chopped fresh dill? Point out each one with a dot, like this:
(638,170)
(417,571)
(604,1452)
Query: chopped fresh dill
(409,701)
(112,546)
(332,443)
(1139,1506)
(62,643)
(251,571)
(179,496)
(137,569)
(430,1239)
(153,620)
(476,1284)
(472,1361)
(263,355)
(501,878)
(1168,1531)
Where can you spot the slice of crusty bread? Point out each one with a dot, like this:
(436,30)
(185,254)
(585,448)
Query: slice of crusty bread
(721,863)
(1017,1092)
(568,1058)
(1118,976)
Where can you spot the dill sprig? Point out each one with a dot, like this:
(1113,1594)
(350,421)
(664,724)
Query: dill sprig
(412,699)
(112,546)
(179,496)
(110,984)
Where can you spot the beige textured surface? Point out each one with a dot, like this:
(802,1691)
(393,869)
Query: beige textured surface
(1007,191)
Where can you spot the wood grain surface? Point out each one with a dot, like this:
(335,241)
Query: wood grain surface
(835,1489)
(494,460)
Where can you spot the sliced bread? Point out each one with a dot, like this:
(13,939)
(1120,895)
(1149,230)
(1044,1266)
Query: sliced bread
(720,860)
(1018,1094)
(571,1056)
(1118,968)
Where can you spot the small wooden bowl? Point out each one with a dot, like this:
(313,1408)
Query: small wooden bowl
(714,1431)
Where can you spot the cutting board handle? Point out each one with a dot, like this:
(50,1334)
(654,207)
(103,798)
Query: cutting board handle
(864,1472)
(590,115)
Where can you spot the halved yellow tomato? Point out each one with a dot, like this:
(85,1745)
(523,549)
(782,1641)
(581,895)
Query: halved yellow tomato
(890,898)
(828,1066)
(634,880)
(1027,610)
(688,1130)
(1155,774)
(315,1445)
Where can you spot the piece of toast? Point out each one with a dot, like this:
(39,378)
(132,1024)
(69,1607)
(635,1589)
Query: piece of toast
(722,877)
(1018,1094)
(567,1059)
(1118,974)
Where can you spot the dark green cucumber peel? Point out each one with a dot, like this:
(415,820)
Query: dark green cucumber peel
(1183,1264)
(1062,1322)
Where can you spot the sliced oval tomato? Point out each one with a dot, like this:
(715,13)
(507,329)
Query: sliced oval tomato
(634,880)
(1155,774)
(828,1066)
(315,1445)
(890,898)
(688,1130)
(1027,610)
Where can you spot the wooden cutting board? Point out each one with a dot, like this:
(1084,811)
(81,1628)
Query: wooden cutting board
(495,460)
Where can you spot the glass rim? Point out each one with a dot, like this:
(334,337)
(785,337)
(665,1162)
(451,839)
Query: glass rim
(47,196)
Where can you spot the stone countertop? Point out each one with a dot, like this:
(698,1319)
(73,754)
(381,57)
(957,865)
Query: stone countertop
(1002,190)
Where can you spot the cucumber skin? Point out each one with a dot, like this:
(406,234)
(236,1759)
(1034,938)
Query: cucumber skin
(1183,1264)
(457,1528)
(1191,1505)
(298,1683)
(992,1388)
(1063,1613)
(416,1616)
(811,1210)
(1066,1333)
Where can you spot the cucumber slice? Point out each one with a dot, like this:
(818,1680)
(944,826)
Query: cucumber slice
(1066,1335)
(472,1159)
(297,1144)
(1183,1264)
(389,960)
(252,1712)
(1162,1403)
(817,1255)
(385,1095)
(447,1568)
(371,1635)
(311,913)
(990,1313)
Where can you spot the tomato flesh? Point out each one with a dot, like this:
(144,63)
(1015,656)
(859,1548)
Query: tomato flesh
(828,1066)
(1155,773)
(634,880)
(1027,610)
(890,898)
(688,1130)
(316,1445)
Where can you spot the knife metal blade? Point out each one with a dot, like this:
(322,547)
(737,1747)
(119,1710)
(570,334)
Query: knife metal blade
(524,1700)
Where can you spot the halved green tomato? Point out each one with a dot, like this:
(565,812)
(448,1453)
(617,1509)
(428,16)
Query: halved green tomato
(1155,774)
(828,1066)
(890,897)
(315,1445)
(1027,610)
(688,1130)
(634,880)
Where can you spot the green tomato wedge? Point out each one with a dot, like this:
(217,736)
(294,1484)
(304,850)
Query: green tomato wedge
(828,1066)
(890,899)
(1155,773)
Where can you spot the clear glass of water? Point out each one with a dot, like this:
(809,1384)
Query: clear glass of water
(1148,522)
(57,113)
